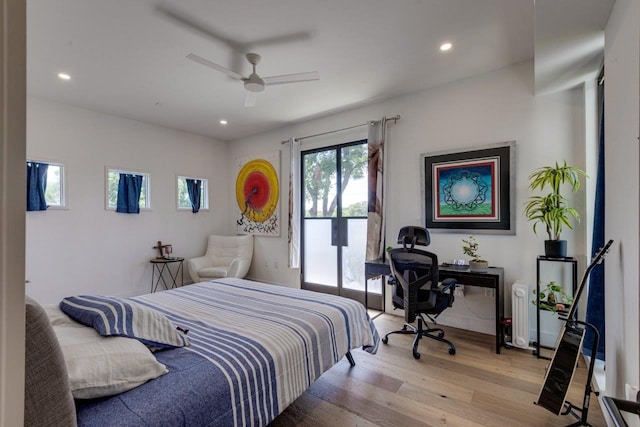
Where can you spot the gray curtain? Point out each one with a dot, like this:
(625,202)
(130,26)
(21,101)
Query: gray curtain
(294,204)
(375,206)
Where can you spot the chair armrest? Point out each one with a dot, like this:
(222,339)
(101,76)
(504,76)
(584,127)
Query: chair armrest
(446,288)
(447,285)
(239,267)
(196,264)
(200,262)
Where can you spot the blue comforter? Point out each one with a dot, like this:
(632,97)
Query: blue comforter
(254,349)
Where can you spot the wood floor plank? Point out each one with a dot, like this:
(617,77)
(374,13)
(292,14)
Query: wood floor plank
(475,387)
(387,409)
(311,411)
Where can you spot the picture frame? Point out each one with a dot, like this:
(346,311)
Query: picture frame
(469,190)
(257,191)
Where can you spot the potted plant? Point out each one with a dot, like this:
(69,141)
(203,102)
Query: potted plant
(470,248)
(552,209)
(553,297)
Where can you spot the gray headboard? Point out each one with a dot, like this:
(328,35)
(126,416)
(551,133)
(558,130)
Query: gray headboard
(48,400)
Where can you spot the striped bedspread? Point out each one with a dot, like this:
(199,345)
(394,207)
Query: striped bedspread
(254,349)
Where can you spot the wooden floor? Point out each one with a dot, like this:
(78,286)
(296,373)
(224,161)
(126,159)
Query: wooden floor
(476,387)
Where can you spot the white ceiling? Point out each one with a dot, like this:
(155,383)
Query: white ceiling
(127,58)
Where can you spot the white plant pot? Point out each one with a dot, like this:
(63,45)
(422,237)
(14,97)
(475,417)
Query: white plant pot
(478,266)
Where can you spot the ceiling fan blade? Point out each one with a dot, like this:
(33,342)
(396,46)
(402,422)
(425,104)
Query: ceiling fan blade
(283,38)
(291,78)
(207,63)
(250,99)
(197,25)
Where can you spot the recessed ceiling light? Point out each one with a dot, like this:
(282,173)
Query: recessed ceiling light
(64,76)
(445,47)
(223,122)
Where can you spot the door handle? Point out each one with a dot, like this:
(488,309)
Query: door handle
(339,232)
(334,231)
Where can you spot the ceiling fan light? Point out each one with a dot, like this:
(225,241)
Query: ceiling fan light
(254,83)
(253,86)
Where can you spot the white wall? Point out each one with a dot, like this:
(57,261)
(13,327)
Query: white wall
(88,249)
(492,108)
(622,111)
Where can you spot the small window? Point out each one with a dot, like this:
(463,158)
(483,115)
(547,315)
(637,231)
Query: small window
(183,194)
(113,179)
(55,185)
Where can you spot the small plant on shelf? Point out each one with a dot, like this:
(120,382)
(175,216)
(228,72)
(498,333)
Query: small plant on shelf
(553,297)
(470,249)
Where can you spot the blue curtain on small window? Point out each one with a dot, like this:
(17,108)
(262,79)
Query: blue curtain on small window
(595,299)
(36,186)
(195,191)
(129,188)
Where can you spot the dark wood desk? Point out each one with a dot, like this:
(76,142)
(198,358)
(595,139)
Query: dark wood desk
(493,278)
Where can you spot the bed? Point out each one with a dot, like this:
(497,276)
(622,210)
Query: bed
(253,349)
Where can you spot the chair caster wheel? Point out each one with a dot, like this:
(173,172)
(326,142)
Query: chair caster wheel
(385,340)
(416,355)
(404,327)
(452,351)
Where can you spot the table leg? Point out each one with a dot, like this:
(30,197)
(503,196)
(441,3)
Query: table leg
(366,294)
(498,319)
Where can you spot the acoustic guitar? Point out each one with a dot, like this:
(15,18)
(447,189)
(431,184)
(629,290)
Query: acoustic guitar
(565,358)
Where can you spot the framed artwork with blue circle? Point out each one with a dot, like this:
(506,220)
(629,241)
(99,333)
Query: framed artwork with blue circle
(470,190)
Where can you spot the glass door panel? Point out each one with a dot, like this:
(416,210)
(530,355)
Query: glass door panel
(320,257)
(334,234)
(353,254)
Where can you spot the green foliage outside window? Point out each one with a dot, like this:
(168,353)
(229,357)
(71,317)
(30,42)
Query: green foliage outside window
(183,194)
(320,180)
(53,194)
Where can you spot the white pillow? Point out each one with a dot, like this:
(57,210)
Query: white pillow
(103,366)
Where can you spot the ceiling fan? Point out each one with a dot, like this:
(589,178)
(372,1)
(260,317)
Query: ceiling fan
(254,83)
(238,48)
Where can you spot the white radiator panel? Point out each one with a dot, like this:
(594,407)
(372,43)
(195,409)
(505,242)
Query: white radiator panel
(520,315)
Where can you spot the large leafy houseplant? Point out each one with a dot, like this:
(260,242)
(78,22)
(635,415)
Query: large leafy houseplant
(552,209)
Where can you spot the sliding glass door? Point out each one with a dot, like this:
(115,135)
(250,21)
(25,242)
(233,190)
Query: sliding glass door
(334,218)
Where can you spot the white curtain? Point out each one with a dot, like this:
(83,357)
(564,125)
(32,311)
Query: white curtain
(294,204)
(375,206)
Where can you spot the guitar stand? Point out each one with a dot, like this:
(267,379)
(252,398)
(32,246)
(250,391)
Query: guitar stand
(581,413)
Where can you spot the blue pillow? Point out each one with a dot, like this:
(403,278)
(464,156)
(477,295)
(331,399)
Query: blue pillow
(124,318)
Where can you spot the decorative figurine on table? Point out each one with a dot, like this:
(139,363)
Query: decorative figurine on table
(164,250)
(168,249)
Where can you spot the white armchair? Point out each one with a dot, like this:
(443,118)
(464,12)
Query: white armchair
(227,256)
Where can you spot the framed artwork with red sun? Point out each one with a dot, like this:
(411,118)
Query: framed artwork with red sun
(258,195)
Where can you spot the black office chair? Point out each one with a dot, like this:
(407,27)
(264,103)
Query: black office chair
(416,288)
